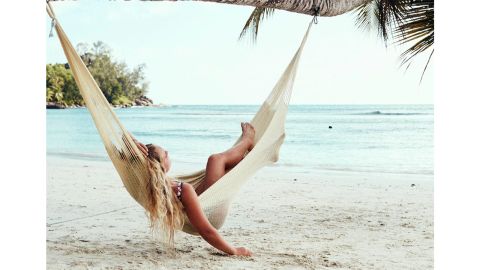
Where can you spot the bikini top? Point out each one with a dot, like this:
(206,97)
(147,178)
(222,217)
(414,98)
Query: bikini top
(179,190)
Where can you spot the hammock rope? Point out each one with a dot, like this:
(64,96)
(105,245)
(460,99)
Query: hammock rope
(269,124)
(89,216)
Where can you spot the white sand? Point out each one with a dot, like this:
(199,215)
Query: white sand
(321,220)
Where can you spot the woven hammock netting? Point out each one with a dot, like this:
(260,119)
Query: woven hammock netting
(131,165)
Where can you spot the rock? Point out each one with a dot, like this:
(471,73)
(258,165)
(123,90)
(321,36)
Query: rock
(54,105)
(143,101)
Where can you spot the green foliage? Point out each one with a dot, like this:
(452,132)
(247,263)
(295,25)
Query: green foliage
(58,83)
(120,85)
(123,100)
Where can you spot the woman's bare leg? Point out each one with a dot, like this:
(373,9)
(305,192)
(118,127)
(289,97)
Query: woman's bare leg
(219,164)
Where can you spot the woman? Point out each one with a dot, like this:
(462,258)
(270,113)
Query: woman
(182,195)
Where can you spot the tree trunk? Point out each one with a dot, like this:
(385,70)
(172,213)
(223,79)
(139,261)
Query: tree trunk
(326,8)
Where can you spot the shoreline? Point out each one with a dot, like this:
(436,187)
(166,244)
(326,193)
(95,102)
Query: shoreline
(288,219)
(141,101)
(297,168)
(65,107)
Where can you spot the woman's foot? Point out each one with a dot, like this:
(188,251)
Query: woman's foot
(248,134)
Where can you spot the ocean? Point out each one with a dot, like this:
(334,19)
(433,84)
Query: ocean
(363,138)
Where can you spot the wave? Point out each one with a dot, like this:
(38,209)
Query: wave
(76,155)
(213,113)
(185,134)
(388,113)
(172,131)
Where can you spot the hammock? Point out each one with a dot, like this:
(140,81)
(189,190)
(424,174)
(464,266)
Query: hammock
(269,123)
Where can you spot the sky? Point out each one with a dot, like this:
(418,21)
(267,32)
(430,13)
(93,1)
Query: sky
(193,56)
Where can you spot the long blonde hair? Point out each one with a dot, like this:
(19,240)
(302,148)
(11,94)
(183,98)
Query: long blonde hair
(165,210)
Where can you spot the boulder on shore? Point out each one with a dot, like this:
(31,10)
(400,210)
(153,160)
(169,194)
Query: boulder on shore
(143,101)
(54,105)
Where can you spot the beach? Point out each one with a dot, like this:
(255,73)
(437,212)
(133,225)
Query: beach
(290,220)
(352,186)
(358,195)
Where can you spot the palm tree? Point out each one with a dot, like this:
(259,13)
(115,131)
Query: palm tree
(405,21)
(326,8)
(55,89)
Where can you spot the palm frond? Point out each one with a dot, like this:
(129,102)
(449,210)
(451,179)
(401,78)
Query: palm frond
(384,15)
(390,15)
(426,65)
(253,22)
(366,16)
(418,27)
(404,21)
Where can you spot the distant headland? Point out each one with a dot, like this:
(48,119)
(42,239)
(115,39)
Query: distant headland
(122,86)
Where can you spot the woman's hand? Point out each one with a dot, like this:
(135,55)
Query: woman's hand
(142,147)
(241,251)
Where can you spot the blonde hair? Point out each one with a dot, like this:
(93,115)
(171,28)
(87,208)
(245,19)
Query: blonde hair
(165,210)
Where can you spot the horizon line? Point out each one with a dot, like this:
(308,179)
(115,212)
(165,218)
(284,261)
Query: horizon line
(294,104)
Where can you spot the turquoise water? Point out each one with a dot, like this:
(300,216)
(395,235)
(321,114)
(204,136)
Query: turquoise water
(364,138)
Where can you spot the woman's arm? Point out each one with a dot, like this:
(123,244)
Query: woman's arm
(200,222)
(140,145)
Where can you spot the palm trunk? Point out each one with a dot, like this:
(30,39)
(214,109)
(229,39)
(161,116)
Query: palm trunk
(326,8)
